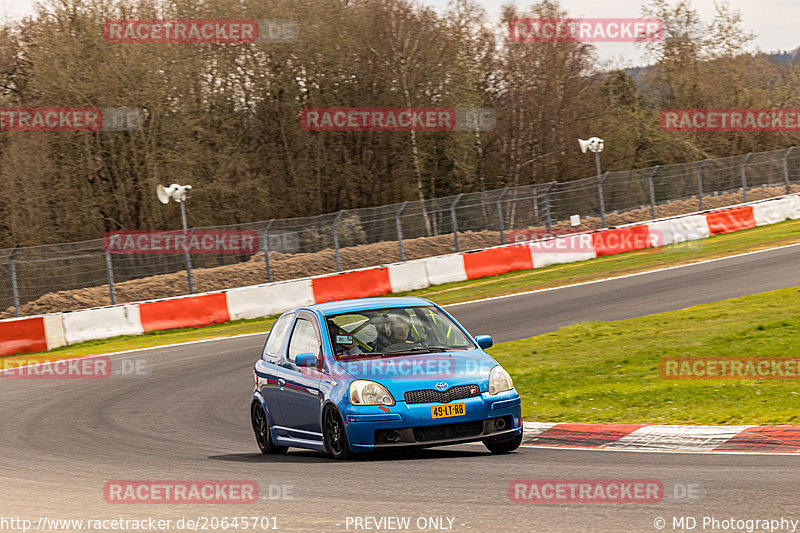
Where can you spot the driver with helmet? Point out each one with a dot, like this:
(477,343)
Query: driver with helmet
(394,330)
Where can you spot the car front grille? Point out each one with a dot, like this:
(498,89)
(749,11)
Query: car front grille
(434,396)
(448,431)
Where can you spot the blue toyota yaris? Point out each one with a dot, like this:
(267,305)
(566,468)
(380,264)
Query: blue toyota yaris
(380,373)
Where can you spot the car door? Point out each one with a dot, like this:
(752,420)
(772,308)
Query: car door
(267,368)
(299,395)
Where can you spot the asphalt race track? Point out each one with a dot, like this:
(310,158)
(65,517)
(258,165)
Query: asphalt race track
(628,297)
(62,440)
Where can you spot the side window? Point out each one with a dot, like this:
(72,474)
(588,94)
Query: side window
(304,339)
(276,335)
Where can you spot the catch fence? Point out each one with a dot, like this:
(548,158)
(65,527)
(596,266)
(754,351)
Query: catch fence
(39,273)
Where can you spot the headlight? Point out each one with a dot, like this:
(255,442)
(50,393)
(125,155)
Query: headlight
(499,380)
(364,392)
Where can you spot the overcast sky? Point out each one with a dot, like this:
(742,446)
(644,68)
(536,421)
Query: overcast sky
(774,21)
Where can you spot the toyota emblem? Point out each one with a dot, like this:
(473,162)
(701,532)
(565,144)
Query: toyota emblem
(441,386)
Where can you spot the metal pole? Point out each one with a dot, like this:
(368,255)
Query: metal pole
(547,215)
(336,241)
(500,214)
(601,199)
(652,190)
(265,247)
(454,221)
(786,169)
(14,288)
(744,177)
(186,248)
(597,163)
(110,272)
(700,182)
(399,226)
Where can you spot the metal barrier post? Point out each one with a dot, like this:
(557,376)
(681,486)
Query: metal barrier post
(110,272)
(454,221)
(652,189)
(601,199)
(14,288)
(265,247)
(786,169)
(336,241)
(547,216)
(500,214)
(399,226)
(744,177)
(700,182)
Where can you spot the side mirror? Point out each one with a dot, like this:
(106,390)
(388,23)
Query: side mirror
(484,341)
(306,360)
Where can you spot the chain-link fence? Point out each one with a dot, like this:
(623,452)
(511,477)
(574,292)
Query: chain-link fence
(74,275)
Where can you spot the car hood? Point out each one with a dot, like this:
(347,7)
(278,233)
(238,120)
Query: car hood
(403,373)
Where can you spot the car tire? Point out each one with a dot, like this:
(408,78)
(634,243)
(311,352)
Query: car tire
(261,428)
(335,434)
(504,446)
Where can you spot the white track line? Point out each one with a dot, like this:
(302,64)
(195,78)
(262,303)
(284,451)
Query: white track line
(121,352)
(644,273)
(622,450)
(627,450)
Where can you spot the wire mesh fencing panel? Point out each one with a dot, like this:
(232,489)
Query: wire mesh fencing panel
(6,291)
(722,176)
(474,212)
(69,276)
(767,170)
(578,197)
(521,208)
(627,190)
(38,271)
(675,183)
(791,167)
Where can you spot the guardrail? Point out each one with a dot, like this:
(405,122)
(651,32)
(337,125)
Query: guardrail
(41,333)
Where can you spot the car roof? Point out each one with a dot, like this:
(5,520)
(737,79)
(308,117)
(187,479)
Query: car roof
(364,304)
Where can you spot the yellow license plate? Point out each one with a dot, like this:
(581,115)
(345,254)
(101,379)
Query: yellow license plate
(444,411)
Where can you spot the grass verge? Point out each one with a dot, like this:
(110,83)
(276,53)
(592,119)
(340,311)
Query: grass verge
(610,371)
(751,240)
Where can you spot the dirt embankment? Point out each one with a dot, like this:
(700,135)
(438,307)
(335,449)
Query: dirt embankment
(293,266)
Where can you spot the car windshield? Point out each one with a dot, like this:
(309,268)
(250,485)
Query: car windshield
(395,331)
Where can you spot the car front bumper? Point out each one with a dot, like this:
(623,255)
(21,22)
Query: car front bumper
(371,428)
